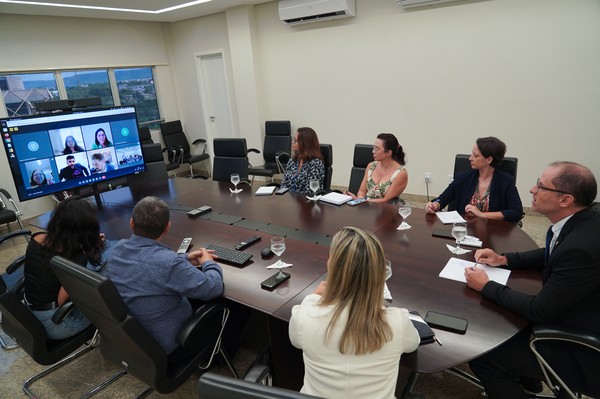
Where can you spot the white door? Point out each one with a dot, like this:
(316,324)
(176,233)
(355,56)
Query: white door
(214,95)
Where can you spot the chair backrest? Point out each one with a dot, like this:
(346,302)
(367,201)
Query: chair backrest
(156,171)
(215,386)
(363,154)
(278,128)
(145,136)
(508,165)
(278,137)
(327,152)
(230,156)
(173,136)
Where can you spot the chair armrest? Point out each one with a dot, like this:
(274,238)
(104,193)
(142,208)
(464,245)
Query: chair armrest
(177,153)
(566,333)
(15,264)
(201,141)
(13,234)
(257,373)
(5,193)
(62,312)
(255,150)
(190,335)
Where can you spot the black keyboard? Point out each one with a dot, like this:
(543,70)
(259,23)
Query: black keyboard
(230,255)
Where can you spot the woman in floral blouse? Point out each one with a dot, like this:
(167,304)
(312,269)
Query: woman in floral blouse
(306,163)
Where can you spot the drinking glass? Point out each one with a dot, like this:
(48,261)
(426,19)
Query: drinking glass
(459,231)
(388,269)
(404,211)
(278,247)
(314,186)
(235,179)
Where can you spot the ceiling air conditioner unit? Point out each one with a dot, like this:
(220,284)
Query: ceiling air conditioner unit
(420,3)
(294,12)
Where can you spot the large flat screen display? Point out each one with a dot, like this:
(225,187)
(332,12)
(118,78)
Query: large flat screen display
(50,153)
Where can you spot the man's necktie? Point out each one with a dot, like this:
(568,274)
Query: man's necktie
(549,235)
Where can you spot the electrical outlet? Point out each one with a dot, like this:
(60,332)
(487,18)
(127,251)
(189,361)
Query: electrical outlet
(427,177)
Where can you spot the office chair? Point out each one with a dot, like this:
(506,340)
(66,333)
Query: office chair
(327,152)
(178,147)
(146,138)
(13,278)
(29,333)
(156,171)
(363,155)
(215,386)
(584,380)
(278,137)
(230,156)
(126,343)
(8,216)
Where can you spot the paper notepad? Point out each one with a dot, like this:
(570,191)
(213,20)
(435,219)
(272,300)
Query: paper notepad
(455,270)
(335,198)
(265,190)
(450,217)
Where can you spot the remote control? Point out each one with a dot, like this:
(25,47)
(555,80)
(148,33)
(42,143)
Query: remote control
(247,243)
(185,244)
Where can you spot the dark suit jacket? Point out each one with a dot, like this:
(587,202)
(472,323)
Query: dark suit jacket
(570,293)
(504,196)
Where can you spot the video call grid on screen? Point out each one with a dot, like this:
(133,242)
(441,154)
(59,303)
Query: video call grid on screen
(56,152)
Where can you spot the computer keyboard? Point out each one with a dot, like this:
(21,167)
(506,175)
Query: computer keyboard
(230,255)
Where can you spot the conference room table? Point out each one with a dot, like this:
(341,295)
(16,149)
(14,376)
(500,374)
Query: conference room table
(416,256)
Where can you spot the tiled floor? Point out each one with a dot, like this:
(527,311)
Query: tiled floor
(78,377)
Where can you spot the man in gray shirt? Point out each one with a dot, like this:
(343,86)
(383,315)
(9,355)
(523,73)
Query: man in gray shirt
(156,282)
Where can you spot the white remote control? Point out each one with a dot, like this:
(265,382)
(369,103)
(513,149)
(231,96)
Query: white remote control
(185,244)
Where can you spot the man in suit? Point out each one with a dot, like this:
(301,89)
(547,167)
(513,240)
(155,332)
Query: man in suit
(570,294)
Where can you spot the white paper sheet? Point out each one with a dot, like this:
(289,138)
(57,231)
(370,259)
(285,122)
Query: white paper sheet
(265,190)
(455,270)
(450,217)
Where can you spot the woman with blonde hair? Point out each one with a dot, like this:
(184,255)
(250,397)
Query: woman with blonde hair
(351,342)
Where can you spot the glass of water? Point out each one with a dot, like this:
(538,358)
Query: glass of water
(404,211)
(459,231)
(278,247)
(235,179)
(314,186)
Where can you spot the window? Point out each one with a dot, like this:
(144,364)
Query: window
(21,91)
(135,86)
(85,84)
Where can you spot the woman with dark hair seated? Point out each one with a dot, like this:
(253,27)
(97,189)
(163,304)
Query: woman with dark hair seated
(74,233)
(385,178)
(306,163)
(71,146)
(351,342)
(485,191)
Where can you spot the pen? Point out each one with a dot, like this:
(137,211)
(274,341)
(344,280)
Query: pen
(437,340)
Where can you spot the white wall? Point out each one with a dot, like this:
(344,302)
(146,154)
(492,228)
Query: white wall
(438,77)
(31,43)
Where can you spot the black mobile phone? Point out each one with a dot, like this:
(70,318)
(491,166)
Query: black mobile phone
(446,322)
(275,280)
(281,191)
(442,233)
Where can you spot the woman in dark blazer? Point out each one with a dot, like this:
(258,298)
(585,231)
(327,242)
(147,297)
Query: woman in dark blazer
(485,191)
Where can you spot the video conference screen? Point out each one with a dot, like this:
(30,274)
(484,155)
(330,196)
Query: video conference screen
(50,153)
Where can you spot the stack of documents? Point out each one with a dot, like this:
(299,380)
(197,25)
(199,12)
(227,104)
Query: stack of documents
(335,198)
(265,190)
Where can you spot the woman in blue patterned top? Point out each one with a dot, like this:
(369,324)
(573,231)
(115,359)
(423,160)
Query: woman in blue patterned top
(306,163)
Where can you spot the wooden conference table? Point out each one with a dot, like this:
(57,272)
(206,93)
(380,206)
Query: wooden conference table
(416,256)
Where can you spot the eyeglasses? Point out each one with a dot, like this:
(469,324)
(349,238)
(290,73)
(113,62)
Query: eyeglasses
(540,187)
(294,139)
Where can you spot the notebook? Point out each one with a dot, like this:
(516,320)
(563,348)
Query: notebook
(265,190)
(335,198)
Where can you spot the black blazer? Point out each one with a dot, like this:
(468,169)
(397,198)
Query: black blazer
(570,293)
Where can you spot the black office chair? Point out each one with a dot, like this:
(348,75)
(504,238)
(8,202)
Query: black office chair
(156,174)
(13,278)
(363,155)
(125,342)
(584,381)
(7,215)
(146,138)
(327,152)
(215,386)
(278,137)
(29,333)
(230,156)
(178,147)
